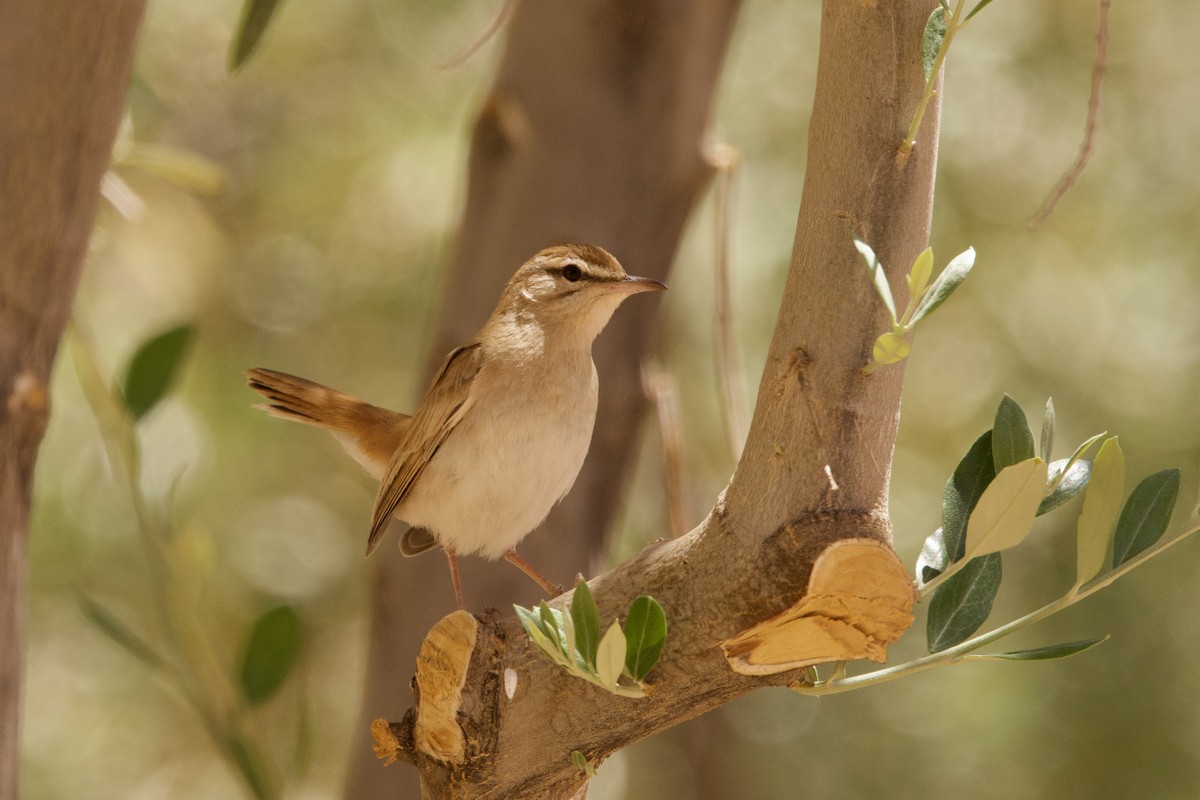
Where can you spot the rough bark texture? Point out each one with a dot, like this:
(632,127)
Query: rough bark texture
(593,132)
(64,67)
(814,473)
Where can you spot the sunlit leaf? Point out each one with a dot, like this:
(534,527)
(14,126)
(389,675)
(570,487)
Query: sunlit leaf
(1101,506)
(550,621)
(954,274)
(1041,653)
(878,277)
(1012,441)
(121,634)
(610,656)
(963,602)
(550,644)
(586,617)
(645,634)
(152,369)
(1047,443)
(918,276)
(1145,515)
(1005,512)
(256,15)
(933,559)
(931,40)
(890,347)
(532,624)
(966,485)
(271,652)
(580,761)
(1065,486)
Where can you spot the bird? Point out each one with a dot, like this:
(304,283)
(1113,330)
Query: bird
(504,426)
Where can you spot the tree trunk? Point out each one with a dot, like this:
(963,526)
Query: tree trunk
(64,68)
(794,565)
(593,132)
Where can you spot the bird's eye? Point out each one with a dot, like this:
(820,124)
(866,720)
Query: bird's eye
(572,272)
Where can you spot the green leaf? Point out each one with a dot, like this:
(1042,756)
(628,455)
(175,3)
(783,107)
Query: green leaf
(117,631)
(918,276)
(1041,653)
(645,634)
(931,40)
(933,559)
(1012,441)
(963,490)
(1101,505)
(963,602)
(271,652)
(152,369)
(1145,515)
(890,347)
(581,762)
(1065,486)
(256,15)
(586,617)
(610,656)
(878,276)
(1048,431)
(550,622)
(1005,512)
(982,4)
(954,274)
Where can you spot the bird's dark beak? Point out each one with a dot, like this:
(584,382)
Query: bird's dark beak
(631,284)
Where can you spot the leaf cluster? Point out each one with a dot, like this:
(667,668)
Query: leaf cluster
(923,298)
(990,504)
(616,661)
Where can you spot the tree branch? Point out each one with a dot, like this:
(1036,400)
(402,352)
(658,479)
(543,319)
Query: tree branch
(59,110)
(811,484)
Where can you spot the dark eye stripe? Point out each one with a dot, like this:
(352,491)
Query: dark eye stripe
(571,272)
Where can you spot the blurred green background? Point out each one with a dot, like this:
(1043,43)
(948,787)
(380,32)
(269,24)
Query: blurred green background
(342,147)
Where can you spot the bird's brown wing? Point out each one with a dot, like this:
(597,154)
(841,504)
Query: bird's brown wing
(446,402)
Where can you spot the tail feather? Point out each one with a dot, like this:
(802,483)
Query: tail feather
(370,434)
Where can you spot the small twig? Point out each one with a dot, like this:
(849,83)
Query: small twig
(660,388)
(725,160)
(458,59)
(1089,132)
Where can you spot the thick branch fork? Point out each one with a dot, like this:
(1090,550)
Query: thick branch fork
(479,727)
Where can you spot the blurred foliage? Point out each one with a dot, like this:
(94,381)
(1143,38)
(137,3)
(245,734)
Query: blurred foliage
(341,156)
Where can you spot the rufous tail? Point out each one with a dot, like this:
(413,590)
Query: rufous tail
(370,434)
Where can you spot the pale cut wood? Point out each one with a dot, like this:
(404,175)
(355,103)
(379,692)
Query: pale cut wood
(441,672)
(859,600)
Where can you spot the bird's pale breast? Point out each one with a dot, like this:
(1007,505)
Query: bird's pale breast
(514,455)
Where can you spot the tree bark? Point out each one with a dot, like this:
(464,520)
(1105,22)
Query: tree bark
(593,132)
(794,564)
(64,68)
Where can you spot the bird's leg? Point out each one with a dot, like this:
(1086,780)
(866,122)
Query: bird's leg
(548,586)
(452,557)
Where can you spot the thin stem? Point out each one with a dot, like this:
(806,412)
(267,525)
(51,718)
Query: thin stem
(726,160)
(953,26)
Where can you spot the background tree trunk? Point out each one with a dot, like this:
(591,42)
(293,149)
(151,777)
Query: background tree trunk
(64,68)
(593,132)
(813,476)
